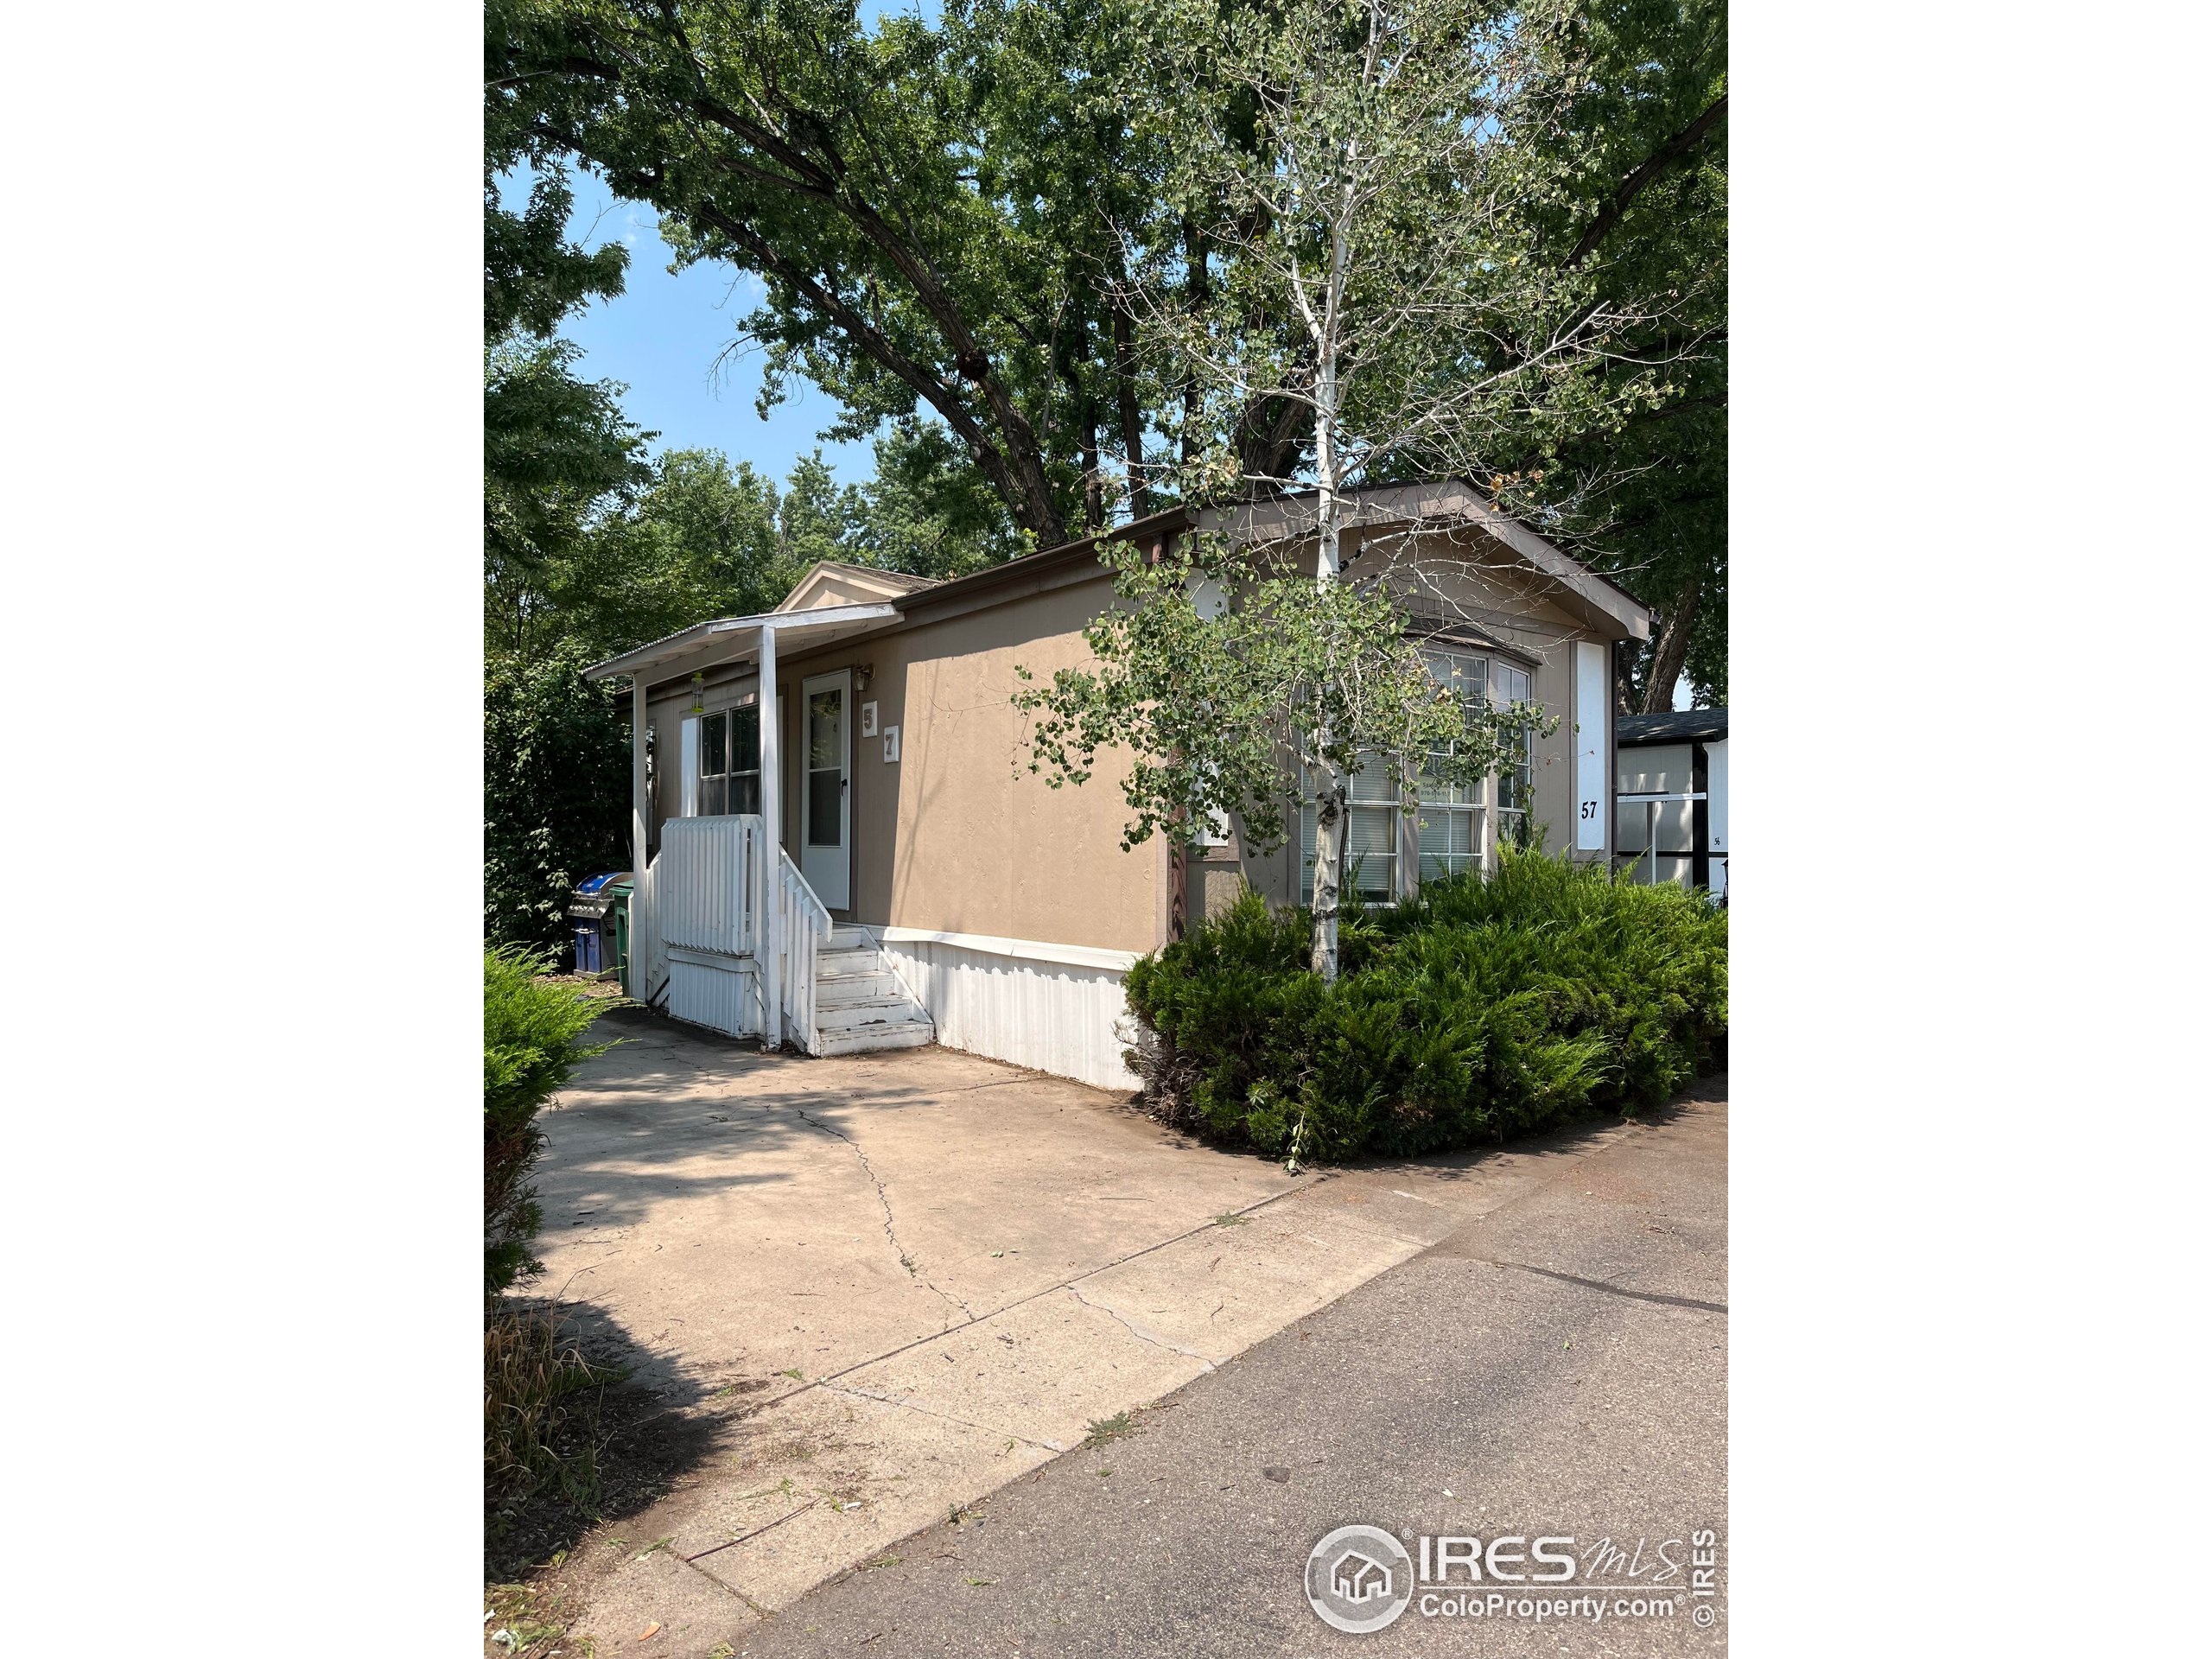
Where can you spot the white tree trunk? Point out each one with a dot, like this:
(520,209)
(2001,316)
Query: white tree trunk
(1328,872)
(1329,804)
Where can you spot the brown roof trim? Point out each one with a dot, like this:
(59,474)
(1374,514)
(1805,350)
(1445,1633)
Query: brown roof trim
(973,589)
(1044,559)
(1468,637)
(1473,490)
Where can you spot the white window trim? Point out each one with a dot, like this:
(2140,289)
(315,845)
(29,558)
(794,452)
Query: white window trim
(694,744)
(1481,805)
(1494,785)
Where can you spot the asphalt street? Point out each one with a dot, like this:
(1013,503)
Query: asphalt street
(1556,1370)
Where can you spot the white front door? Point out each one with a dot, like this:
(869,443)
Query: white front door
(826,792)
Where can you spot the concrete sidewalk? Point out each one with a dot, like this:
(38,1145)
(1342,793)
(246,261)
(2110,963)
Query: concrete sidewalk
(887,1285)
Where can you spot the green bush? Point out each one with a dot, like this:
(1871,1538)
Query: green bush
(1487,1007)
(533,1042)
(557,795)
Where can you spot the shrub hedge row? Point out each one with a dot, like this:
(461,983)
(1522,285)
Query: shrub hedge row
(1489,1006)
(533,1042)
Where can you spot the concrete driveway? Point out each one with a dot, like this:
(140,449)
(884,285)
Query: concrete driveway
(887,1285)
(1557,1367)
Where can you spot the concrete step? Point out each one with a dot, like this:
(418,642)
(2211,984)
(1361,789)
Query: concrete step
(867,1039)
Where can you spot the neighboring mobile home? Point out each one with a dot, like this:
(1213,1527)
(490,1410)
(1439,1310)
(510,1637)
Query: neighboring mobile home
(1673,804)
(924,883)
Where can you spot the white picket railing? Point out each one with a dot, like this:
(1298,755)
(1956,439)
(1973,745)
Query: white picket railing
(803,926)
(705,897)
(707,886)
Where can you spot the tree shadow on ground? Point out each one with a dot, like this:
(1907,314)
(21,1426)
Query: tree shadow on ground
(674,1112)
(1565,1139)
(622,1443)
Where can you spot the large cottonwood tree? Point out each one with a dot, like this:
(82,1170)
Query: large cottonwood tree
(1374,181)
(928,205)
(1643,208)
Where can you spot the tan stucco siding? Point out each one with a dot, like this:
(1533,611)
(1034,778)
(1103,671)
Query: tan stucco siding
(957,835)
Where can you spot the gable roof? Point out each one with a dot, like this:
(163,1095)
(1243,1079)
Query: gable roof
(1602,601)
(1385,506)
(833,582)
(866,600)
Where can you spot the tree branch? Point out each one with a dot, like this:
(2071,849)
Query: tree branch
(1019,476)
(1673,151)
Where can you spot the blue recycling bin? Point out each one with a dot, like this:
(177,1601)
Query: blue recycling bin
(591,923)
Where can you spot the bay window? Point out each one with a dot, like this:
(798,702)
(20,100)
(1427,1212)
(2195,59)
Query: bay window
(1510,685)
(1449,816)
(1456,824)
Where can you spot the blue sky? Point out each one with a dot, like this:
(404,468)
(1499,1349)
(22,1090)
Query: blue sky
(661,335)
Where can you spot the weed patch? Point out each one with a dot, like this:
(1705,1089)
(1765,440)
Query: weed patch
(1104,1429)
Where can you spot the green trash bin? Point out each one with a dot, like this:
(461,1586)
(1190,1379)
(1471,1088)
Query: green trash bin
(620,892)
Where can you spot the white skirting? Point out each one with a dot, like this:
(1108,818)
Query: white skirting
(1050,1016)
(718,992)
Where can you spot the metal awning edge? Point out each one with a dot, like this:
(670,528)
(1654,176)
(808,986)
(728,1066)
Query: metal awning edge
(630,663)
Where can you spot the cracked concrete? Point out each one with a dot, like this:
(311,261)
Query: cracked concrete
(891,1221)
(1141,1332)
(1054,1260)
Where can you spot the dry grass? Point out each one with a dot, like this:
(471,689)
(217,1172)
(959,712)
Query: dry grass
(540,1405)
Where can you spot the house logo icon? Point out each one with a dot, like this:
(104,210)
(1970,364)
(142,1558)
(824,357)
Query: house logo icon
(1358,1580)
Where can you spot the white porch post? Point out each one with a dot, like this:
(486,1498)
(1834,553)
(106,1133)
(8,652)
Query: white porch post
(638,821)
(771,870)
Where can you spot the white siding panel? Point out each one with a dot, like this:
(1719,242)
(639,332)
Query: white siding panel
(1716,790)
(1593,719)
(1049,1016)
(718,997)
(689,778)
(1716,813)
(1656,769)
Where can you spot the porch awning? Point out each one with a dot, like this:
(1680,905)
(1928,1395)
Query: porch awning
(733,637)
